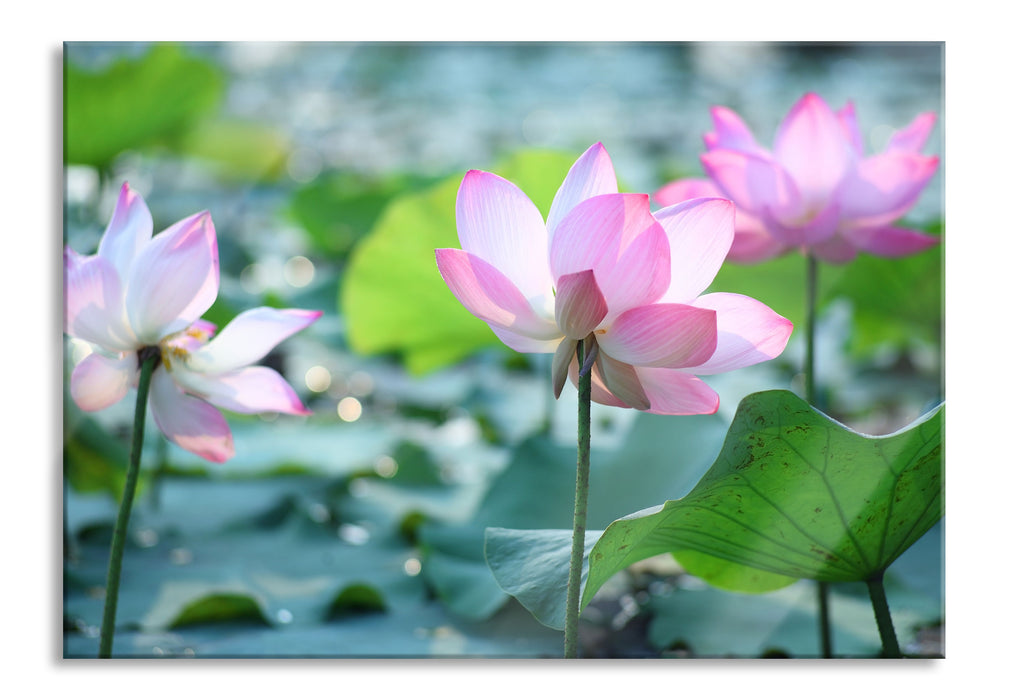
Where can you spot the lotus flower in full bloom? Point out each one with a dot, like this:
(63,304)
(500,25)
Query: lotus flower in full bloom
(142,294)
(604,270)
(816,191)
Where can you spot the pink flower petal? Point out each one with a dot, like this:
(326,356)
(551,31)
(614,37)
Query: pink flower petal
(661,335)
(174,279)
(94,303)
(521,343)
(837,250)
(891,242)
(810,231)
(246,390)
(912,138)
(755,184)
(731,133)
(562,360)
(884,187)
(249,336)
(580,305)
(129,230)
(592,174)
(849,126)
(499,224)
(676,393)
(688,188)
(189,422)
(98,382)
(754,244)
(615,236)
(700,234)
(812,146)
(748,332)
(490,296)
(621,379)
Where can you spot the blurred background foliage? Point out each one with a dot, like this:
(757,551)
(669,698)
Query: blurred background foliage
(330,171)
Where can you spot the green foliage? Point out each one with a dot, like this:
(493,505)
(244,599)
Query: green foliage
(237,150)
(795,494)
(338,208)
(135,103)
(393,298)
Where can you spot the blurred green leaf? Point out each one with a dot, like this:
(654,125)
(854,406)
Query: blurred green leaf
(896,301)
(796,494)
(239,150)
(219,607)
(355,599)
(394,299)
(135,102)
(338,208)
(93,460)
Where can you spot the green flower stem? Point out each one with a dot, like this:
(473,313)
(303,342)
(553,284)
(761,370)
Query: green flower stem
(822,587)
(887,634)
(149,358)
(573,610)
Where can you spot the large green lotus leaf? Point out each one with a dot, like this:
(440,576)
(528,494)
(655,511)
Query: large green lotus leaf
(135,102)
(796,494)
(393,298)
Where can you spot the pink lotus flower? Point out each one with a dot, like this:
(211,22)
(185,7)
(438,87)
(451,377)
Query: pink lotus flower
(141,292)
(604,269)
(816,191)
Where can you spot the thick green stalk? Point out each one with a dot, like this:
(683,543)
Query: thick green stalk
(887,634)
(822,588)
(573,610)
(149,358)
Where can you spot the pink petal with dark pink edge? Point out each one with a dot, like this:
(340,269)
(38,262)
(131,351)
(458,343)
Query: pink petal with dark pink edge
(748,332)
(615,236)
(499,224)
(756,185)
(592,174)
(731,133)
(249,336)
(580,305)
(849,125)
(598,393)
(129,230)
(675,393)
(700,234)
(912,138)
(891,242)
(98,382)
(174,280)
(688,188)
(94,309)
(246,390)
(812,146)
(490,296)
(661,335)
(189,422)
(884,187)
